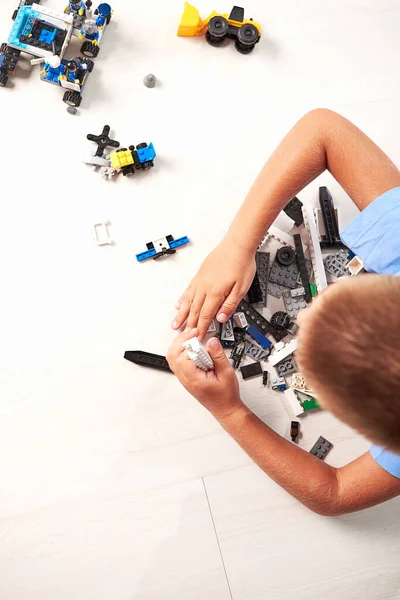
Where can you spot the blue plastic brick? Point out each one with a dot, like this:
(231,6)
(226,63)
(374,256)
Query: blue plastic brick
(146,154)
(179,242)
(258,337)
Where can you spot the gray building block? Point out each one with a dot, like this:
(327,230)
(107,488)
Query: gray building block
(286,367)
(293,305)
(337,264)
(286,276)
(275,289)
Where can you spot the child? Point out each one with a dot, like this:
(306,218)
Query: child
(355,368)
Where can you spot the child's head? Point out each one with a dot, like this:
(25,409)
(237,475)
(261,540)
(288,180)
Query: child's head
(349,353)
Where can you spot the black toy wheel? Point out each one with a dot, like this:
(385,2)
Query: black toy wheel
(218,27)
(89,63)
(3,48)
(14,15)
(147,165)
(3,79)
(248,35)
(88,49)
(280,320)
(143,145)
(72,98)
(108,19)
(285,256)
(216,42)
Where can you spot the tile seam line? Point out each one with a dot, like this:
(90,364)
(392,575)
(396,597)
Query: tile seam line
(216,536)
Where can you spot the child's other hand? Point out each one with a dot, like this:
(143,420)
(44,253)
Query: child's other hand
(216,390)
(221,282)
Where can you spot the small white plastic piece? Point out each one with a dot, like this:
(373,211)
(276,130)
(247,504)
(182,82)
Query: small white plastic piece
(198,355)
(284,222)
(295,405)
(297,292)
(314,248)
(101,233)
(355,265)
(240,320)
(283,353)
(279,235)
(299,383)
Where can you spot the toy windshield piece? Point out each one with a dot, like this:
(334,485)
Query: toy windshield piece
(245,32)
(146,359)
(162,247)
(123,160)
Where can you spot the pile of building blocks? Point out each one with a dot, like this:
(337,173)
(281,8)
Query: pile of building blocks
(45,34)
(294,277)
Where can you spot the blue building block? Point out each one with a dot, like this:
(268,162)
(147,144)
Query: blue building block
(179,242)
(48,36)
(258,337)
(146,154)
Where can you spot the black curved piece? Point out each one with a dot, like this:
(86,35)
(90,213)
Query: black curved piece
(146,359)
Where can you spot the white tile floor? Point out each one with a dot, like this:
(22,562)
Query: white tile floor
(109,472)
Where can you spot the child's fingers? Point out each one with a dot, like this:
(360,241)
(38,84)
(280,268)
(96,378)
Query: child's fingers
(208,312)
(196,306)
(229,305)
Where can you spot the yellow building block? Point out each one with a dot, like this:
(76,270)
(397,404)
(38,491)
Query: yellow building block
(121,159)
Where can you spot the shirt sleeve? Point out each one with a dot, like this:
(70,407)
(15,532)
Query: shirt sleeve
(374,234)
(387,460)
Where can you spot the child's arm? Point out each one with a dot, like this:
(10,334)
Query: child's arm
(321,140)
(323,489)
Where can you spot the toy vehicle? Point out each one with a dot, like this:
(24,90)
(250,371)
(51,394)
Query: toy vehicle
(162,247)
(76,73)
(246,33)
(44,34)
(123,160)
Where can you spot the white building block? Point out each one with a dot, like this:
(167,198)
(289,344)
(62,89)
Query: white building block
(279,235)
(284,222)
(283,353)
(101,233)
(314,248)
(294,403)
(198,355)
(355,265)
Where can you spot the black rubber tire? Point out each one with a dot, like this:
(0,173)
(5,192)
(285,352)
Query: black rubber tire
(3,48)
(90,64)
(218,27)
(243,49)
(248,35)
(139,146)
(3,79)
(72,98)
(109,19)
(90,51)
(147,165)
(216,42)
(285,256)
(14,15)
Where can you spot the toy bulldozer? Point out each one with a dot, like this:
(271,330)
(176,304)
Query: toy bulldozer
(219,27)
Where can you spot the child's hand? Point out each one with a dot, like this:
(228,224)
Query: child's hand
(216,390)
(221,282)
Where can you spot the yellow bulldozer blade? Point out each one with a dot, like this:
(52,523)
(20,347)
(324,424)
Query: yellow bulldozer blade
(191,23)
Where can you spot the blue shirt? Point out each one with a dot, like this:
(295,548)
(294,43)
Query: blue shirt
(374,236)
